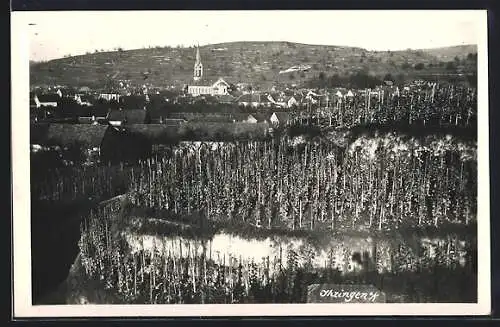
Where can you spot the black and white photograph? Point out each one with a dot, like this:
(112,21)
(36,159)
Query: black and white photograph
(250,163)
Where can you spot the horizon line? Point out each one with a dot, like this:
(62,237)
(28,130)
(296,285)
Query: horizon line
(185,46)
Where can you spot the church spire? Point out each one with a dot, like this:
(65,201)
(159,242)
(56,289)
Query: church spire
(198,66)
(198,57)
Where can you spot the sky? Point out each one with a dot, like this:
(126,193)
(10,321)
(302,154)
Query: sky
(56,34)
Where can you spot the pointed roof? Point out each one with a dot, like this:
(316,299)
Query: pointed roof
(220,80)
(198,57)
(282,117)
(260,117)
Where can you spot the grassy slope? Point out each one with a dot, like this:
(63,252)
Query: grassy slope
(255,62)
(449,53)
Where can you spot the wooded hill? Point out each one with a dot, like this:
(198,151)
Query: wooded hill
(258,63)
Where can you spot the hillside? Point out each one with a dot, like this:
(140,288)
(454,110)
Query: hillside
(253,62)
(449,53)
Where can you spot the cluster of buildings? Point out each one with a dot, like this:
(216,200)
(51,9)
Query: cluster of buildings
(126,108)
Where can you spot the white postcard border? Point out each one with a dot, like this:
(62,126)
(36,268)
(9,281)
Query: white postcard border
(21,219)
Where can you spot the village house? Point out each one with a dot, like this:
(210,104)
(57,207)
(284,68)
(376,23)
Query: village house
(312,97)
(285,101)
(341,94)
(255,100)
(258,117)
(109,96)
(280,119)
(47,100)
(97,143)
(244,87)
(83,100)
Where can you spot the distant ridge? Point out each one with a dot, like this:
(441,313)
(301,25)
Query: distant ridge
(243,61)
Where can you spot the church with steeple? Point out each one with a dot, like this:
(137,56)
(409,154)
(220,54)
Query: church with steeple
(220,87)
(198,66)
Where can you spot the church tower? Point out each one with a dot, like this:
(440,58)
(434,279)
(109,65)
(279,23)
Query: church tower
(198,66)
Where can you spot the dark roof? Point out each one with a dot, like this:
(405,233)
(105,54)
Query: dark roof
(261,117)
(226,98)
(67,134)
(48,98)
(236,93)
(137,116)
(276,95)
(240,116)
(282,116)
(156,98)
(133,102)
(87,98)
(255,97)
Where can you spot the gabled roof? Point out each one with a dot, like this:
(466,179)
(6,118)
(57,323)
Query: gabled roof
(48,98)
(220,80)
(260,117)
(67,134)
(282,116)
